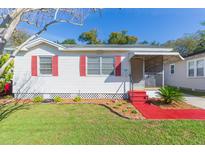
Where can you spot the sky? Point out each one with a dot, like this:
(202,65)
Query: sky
(158,25)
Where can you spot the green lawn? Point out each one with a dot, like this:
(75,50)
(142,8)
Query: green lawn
(93,124)
(195,93)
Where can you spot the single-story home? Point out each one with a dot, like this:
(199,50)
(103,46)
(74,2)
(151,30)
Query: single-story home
(45,68)
(188,74)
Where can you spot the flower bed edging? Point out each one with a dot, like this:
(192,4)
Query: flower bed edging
(108,107)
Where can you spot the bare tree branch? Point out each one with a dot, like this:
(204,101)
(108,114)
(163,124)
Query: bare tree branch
(42,18)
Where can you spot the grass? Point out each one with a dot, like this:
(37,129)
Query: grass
(191,92)
(93,124)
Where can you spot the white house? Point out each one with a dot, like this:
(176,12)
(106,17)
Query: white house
(45,68)
(189,73)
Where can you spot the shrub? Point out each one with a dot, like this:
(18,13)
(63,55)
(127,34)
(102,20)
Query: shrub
(115,107)
(125,110)
(57,99)
(118,104)
(134,111)
(2,83)
(38,99)
(129,107)
(170,94)
(8,97)
(77,99)
(124,102)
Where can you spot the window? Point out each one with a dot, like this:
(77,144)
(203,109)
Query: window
(93,65)
(200,67)
(191,69)
(108,65)
(172,68)
(45,65)
(100,66)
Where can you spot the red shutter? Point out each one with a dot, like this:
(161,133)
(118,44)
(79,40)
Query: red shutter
(55,65)
(117,65)
(82,65)
(34,66)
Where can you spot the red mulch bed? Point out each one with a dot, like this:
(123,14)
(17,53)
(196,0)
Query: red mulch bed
(173,105)
(150,111)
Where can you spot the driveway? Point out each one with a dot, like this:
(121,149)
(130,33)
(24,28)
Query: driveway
(195,101)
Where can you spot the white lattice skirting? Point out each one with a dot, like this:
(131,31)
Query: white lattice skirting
(73,95)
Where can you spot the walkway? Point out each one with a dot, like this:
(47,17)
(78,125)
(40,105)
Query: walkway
(150,111)
(195,101)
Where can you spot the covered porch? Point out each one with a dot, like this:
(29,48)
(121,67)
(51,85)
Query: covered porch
(147,69)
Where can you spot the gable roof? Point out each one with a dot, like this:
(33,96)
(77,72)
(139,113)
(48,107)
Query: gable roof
(40,40)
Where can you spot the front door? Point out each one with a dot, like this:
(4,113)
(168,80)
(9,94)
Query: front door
(137,73)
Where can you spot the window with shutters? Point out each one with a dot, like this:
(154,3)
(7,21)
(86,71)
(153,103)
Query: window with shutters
(45,65)
(100,65)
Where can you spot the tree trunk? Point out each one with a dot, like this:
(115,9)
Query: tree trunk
(8,26)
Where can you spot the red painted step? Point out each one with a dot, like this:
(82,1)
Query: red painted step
(139,99)
(138,96)
(137,92)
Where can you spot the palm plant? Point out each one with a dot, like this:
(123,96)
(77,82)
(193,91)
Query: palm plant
(170,94)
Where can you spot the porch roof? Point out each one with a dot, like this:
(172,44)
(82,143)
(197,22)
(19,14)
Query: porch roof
(167,56)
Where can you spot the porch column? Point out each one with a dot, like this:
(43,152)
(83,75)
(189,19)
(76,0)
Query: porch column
(163,73)
(143,67)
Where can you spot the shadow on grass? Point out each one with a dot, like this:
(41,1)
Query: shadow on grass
(6,109)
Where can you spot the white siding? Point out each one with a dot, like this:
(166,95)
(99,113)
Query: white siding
(68,80)
(180,79)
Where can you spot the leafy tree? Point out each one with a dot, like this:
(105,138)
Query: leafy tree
(89,37)
(155,43)
(184,45)
(189,43)
(121,38)
(200,41)
(69,41)
(144,42)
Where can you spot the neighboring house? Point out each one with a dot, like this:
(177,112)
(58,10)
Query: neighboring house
(45,68)
(189,73)
(8,50)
